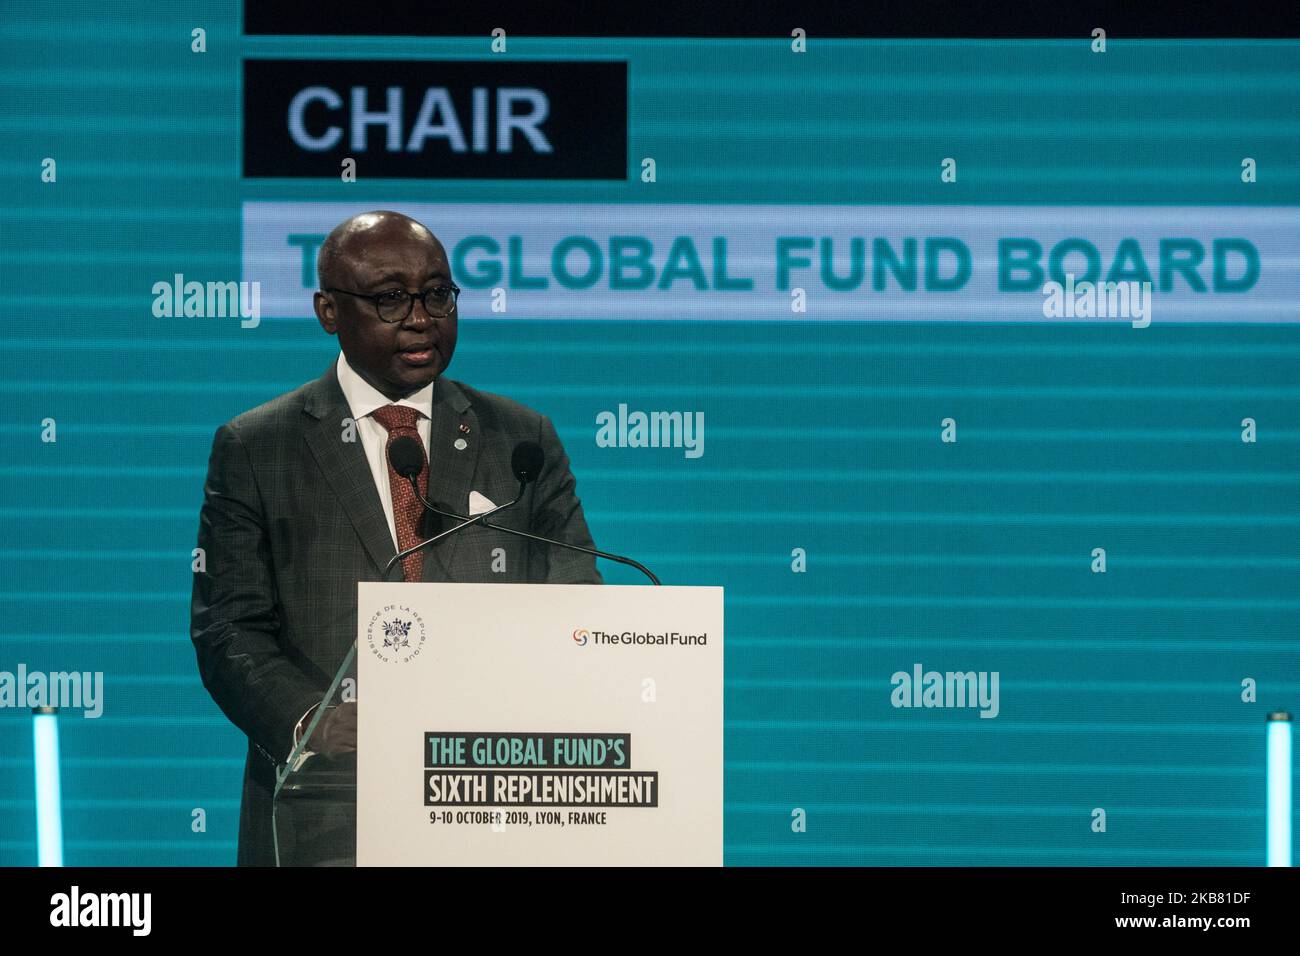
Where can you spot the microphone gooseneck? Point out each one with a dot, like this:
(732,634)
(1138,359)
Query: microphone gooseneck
(407,458)
(526,461)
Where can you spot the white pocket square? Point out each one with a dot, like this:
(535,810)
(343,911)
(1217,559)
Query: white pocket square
(479,504)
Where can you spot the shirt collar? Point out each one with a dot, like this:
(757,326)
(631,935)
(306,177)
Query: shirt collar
(363,398)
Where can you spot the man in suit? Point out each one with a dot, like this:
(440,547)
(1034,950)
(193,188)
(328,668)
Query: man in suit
(301,503)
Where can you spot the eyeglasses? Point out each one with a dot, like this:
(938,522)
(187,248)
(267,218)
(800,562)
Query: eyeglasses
(394,305)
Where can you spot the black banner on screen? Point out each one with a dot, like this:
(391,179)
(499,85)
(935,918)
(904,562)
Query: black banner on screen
(818,18)
(435,119)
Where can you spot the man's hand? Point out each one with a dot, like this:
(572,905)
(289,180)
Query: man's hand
(337,731)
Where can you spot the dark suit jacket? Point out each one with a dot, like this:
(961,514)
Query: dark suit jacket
(291,521)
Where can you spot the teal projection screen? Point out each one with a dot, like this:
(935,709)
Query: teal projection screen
(970,357)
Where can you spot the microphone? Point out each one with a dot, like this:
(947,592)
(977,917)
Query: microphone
(406,453)
(406,456)
(526,462)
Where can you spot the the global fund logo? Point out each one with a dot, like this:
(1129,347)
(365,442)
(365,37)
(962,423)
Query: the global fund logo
(594,637)
(431,119)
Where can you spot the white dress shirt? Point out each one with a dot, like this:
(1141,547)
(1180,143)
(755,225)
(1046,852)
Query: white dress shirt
(363,398)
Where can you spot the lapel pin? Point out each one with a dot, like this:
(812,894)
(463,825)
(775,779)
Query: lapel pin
(461,444)
(464,429)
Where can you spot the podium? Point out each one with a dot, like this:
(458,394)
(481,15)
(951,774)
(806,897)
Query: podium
(519,724)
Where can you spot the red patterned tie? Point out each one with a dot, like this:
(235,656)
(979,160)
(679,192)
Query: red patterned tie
(407,510)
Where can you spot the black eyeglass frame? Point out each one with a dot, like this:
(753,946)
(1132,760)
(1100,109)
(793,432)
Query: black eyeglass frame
(410,300)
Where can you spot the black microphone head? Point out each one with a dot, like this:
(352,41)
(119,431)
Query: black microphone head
(406,456)
(526,461)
